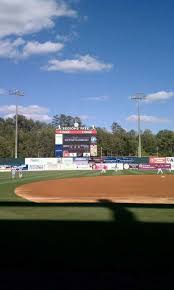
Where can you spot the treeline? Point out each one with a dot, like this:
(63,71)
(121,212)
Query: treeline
(36,139)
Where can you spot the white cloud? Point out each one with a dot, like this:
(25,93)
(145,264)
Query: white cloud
(67,37)
(97,99)
(19,17)
(9,49)
(86,117)
(148,119)
(35,117)
(35,47)
(34,112)
(159,96)
(84,63)
(19,49)
(3,92)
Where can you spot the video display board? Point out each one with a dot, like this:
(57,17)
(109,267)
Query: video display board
(79,139)
(73,142)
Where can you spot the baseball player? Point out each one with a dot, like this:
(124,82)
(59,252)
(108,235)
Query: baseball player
(20,173)
(93,166)
(13,172)
(103,169)
(159,171)
(116,168)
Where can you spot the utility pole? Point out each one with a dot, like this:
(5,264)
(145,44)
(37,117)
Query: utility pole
(101,151)
(16,93)
(139,97)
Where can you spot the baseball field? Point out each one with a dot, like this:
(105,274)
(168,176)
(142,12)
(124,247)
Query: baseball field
(80,220)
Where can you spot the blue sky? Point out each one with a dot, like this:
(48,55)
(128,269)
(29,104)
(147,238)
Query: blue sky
(86,58)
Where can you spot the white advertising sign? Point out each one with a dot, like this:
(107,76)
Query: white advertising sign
(59,139)
(169,159)
(126,166)
(83,167)
(74,154)
(36,167)
(114,166)
(86,154)
(172,166)
(41,161)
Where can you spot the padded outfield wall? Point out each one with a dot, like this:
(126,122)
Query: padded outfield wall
(86,163)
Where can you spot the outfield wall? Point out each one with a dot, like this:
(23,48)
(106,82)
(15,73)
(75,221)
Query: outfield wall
(109,163)
(87,163)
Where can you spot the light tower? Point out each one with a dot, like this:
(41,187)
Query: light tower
(16,93)
(139,97)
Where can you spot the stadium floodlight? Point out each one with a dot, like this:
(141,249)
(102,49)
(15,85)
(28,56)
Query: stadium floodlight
(16,93)
(139,97)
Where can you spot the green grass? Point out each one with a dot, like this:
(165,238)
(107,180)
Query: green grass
(13,207)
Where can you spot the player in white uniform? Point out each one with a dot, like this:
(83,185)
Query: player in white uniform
(103,169)
(159,171)
(116,168)
(20,172)
(13,172)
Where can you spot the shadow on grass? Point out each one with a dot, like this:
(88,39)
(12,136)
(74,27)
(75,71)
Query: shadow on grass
(128,254)
(122,244)
(100,203)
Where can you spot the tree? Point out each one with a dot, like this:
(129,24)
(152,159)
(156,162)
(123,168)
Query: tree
(65,121)
(165,142)
(132,143)
(149,143)
(5,148)
(36,139)
(116,128)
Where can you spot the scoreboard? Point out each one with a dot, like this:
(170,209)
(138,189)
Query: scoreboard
(75,142)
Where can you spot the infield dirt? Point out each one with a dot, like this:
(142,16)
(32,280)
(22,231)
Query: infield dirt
(152,189)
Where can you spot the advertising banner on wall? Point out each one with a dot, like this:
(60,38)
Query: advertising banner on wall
(169,159)
(172,165)
(66,154)
(86,154)
(58,151)
(154,166)
(76,132)
(36,167)
(4,168)
(93,140)
(76,148)
(74,154)
(76,139)
(114,166)
(59,139)
(80,161)
(100,166)
(43,163)
(67,164)
(124,159)
(93,150)
(157,160)
(133,166)
(118,160)
(83,167)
